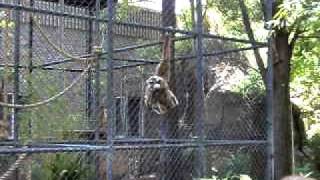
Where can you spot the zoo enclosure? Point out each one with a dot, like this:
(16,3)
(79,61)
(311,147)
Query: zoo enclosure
(189,142)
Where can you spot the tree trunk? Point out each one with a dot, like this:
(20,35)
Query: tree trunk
(282,52)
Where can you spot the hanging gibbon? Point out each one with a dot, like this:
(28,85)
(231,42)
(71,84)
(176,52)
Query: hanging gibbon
(158,96)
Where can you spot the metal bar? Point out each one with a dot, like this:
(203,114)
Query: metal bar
(134,47)
(16,79)
(148,61)
(30,56)
(168,29)
(97,74)
(223,52)
(150,44)
(62,61)
(88,82)
(143,61)
(30,53)
(87,148)
(97,105)
(16,85)
(152,61)
(191,33)
(109,100)
(217,53)
(269,173)
(200,168)
(143,141)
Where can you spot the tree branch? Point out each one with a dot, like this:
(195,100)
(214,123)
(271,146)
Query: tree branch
(248,29)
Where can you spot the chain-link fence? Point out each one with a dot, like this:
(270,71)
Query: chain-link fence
(73,86)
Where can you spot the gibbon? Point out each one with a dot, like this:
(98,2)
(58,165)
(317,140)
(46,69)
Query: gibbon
(158,96)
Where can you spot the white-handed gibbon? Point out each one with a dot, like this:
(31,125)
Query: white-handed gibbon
(158,96)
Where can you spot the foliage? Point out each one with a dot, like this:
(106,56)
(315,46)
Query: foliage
(62,167)
(186,19)
(240,177)
(183,47)
(237,167)
(232,18)
(152,52)
(299,16)
(305,73)
(4,22)
(54,119)
(234,167)
(252,84)
(6,27)
(310,167)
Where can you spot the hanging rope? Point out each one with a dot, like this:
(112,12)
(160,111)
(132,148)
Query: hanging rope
(33,105)
(74,82)
(54,46)
(22,157)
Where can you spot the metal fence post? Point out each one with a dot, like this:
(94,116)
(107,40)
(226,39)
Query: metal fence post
(109,100)
(16,57)
(199,107)
(88,83)
(30,64)
(270,149)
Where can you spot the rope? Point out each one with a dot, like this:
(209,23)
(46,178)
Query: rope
(54,46)
(64,53)
(33,105)
(13,167)
(22,157)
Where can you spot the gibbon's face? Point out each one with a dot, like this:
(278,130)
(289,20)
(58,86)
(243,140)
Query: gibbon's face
(155,83)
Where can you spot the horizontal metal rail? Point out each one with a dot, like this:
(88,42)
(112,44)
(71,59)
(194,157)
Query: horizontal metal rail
(119,50)
(53,148)
(86,17)
(119,141)
(141,62)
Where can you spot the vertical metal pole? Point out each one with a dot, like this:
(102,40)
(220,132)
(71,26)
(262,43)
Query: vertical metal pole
(141,105)
(269,88)
(109,100)
(94,27)
(61,23)
(96,109)
(168,128)
(30,56)
(199,107)
(16,86)
(163,152)
(16,81)
(89,98)
(100,157)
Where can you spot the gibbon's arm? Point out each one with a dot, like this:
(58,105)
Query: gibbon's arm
(162,69)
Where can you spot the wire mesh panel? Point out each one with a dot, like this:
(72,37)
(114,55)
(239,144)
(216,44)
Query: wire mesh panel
(76,78)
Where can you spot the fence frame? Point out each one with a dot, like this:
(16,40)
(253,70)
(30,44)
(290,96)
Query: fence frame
(93,93)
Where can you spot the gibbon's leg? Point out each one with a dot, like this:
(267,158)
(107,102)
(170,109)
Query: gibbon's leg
(157,109)
(173,99)
(162,109)
(168,99)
